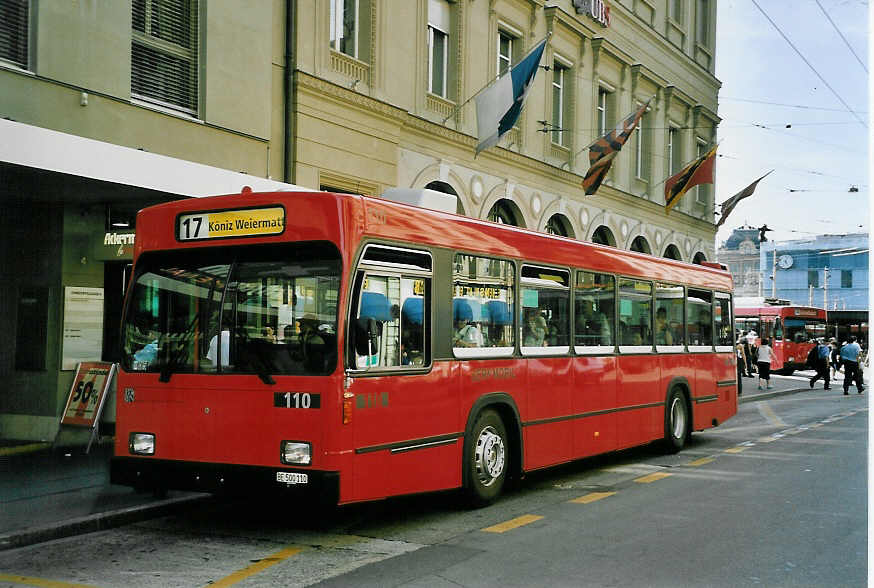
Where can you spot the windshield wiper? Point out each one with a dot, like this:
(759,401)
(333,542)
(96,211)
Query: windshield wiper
(168,368)
(255,360)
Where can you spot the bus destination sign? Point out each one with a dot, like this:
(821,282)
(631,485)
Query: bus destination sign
(249,222)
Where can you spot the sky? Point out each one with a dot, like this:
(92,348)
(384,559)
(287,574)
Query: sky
(767,85)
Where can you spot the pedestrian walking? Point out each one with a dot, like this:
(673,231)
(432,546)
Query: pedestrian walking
(852,370)
(835,356)
(749,349)
(741,365)
(764,357)
(818,357)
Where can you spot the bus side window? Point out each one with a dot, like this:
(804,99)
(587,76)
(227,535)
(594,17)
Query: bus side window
(778,329)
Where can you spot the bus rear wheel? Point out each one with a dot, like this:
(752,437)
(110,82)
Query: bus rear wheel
(486,459)
(677,425)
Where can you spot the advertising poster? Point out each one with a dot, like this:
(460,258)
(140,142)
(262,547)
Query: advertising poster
(88,393)
(83,325)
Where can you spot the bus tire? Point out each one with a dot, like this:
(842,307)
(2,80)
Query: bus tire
(486,459)
(677,425)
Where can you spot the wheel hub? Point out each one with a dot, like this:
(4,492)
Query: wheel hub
(490,456)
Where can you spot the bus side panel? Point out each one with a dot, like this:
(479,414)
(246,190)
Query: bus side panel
(594,391)
(549,396)
(724,371)
(672,366)
(636,387)
(394,417)
(704,406)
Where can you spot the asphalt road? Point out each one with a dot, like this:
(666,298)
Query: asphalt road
(775,497)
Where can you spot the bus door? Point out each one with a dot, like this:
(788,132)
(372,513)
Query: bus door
(404,410)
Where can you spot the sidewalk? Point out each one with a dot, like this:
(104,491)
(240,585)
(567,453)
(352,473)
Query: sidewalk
(50,493)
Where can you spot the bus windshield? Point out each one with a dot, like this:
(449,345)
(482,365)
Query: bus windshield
(256,309)
(800,330)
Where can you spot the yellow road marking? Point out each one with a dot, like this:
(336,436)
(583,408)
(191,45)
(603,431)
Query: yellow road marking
(256,567)
(512,524)
(25,581)
(701,462)
(735,450)
(591,497)
(28,448)
(651,478)
(766,411)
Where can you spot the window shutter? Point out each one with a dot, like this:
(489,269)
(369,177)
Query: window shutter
(164,53)
(14,31)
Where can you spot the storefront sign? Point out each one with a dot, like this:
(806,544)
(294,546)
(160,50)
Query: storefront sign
(88,393)
(115,245)
(252,222)
(597,10)
(83,325)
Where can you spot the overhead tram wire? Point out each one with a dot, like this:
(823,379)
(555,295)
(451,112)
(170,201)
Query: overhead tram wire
(784,105)
(810,65)
(843,38)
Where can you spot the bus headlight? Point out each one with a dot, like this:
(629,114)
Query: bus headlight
(295,453)
(142,443)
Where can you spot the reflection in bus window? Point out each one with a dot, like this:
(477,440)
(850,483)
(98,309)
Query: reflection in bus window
(203,312)
(545,310)
(594,310)
(391,322)
(482,306)
(722,320)
(669,314)
(699,321)
(635,313)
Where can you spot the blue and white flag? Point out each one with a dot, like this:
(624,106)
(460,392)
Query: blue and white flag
(498,106)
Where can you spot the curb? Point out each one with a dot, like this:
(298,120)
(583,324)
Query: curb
(743,399)
(96,522)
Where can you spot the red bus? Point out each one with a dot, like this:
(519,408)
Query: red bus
(361,348)
(791,330)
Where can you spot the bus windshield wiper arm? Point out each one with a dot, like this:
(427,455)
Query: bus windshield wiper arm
(168,368)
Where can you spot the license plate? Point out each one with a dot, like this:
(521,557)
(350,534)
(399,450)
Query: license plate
(291,478)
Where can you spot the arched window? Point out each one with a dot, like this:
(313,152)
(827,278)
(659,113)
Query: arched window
(558,224)
(604,236)
(699,257)
(505,212)
(641,245)
(671,252)
(438,186)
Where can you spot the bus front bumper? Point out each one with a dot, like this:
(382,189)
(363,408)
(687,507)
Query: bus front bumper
(222,478)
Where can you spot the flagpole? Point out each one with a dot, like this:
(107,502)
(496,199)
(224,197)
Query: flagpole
(496,78)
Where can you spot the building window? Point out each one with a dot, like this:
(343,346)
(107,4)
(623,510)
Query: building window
(560,89)
(438,43)
(846,278)
(344,27)
(676,7)
(603,107)
(642,149)
(164,53)
(703,22)
(505,52)
(813,278)
(503,212)
(674,150)
(15,32)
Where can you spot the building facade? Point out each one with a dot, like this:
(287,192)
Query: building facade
(740,252)
(826,271)
(107,107)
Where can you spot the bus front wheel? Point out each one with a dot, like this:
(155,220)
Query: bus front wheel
(486,459)
(676,421)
